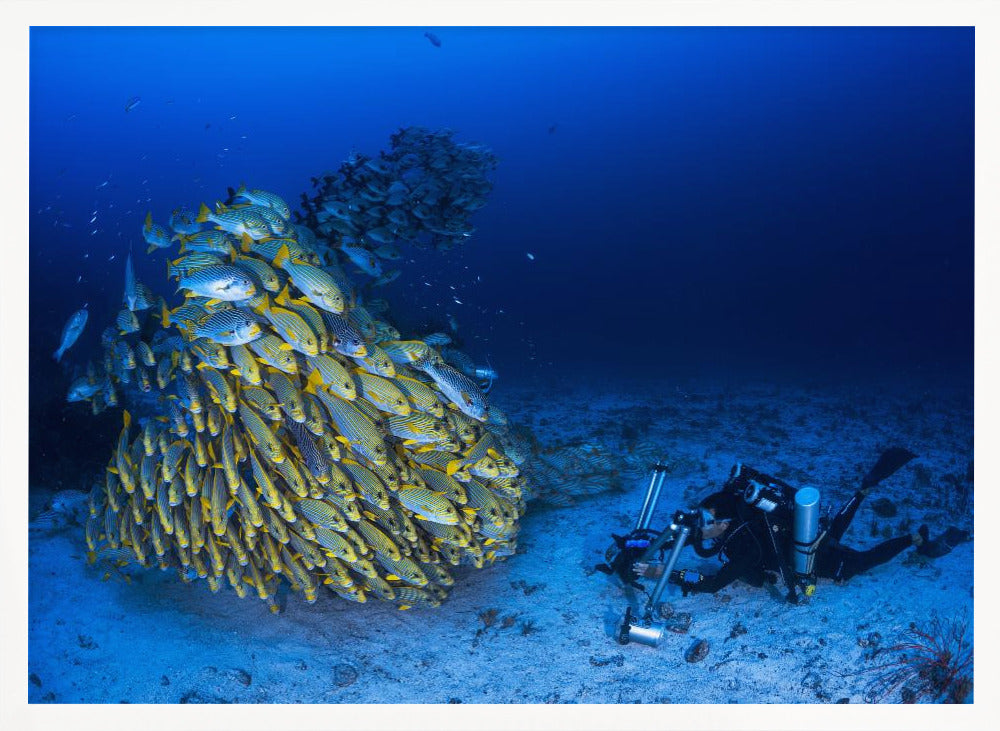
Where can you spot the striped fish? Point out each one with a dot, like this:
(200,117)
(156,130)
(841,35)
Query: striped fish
(277,225)
(321,513)
(377,362)
(459,388)
(236,326)
(418,428)
(236,221)
(210,353)
(346,338)
(309,314)
(212,241)
(246,366)
(263,198)
(432,506)
(358,432)
(262,400)
(382,393)
(222,282)
(276,353)
(315,284)
(421,396)
(378,540)
(260,271)
(368,483)
(314,459)
(219,387)
(403,569)
(407,352)
(191,263)
(261,434)
(333,375)
(269,249)
(288,395)
(291,327)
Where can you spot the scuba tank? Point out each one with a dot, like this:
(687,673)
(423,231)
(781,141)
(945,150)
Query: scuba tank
(805,530)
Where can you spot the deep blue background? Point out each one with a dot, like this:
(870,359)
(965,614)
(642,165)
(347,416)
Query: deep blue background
(710,199)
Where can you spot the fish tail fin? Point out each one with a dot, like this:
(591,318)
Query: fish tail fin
(245,243)
(164,315)
(148,225)
(58,355)
(203,213)
(151,249)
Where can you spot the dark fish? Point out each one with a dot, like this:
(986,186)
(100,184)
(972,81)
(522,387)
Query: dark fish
(433,39)
(132,103)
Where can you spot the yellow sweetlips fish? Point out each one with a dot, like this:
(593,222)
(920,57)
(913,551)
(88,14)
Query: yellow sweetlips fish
(229,327)
(316,285)
(236,221)
(459,388)
(212,241)
(277,225)
(291,327)
(259,269)
(346,339)
(154,234)
(357,478)
(262,198)
(276,353)
(224,282)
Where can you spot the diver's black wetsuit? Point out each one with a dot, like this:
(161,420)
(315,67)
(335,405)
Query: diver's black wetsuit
(756,546)
(836,561)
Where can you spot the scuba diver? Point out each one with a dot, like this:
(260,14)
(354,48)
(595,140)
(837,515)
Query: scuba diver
(754,526)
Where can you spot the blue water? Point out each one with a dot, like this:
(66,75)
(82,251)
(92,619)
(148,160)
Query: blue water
(697,200)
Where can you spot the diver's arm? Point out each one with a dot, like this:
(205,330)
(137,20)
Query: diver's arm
(730,571)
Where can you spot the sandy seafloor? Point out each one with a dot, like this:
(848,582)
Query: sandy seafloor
(158,640)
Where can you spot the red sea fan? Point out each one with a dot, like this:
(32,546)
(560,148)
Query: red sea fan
(932,665)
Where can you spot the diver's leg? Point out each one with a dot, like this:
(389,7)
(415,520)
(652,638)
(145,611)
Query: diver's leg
(847,562)
(844,516)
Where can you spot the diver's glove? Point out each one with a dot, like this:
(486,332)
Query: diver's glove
(686,579)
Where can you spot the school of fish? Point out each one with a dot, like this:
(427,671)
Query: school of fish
(296,438)
(422,192)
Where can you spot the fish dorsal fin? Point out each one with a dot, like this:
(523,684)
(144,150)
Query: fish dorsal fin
(314,382)
(282,256)
(282,297)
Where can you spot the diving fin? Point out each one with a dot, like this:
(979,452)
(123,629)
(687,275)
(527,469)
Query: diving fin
(890,461)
